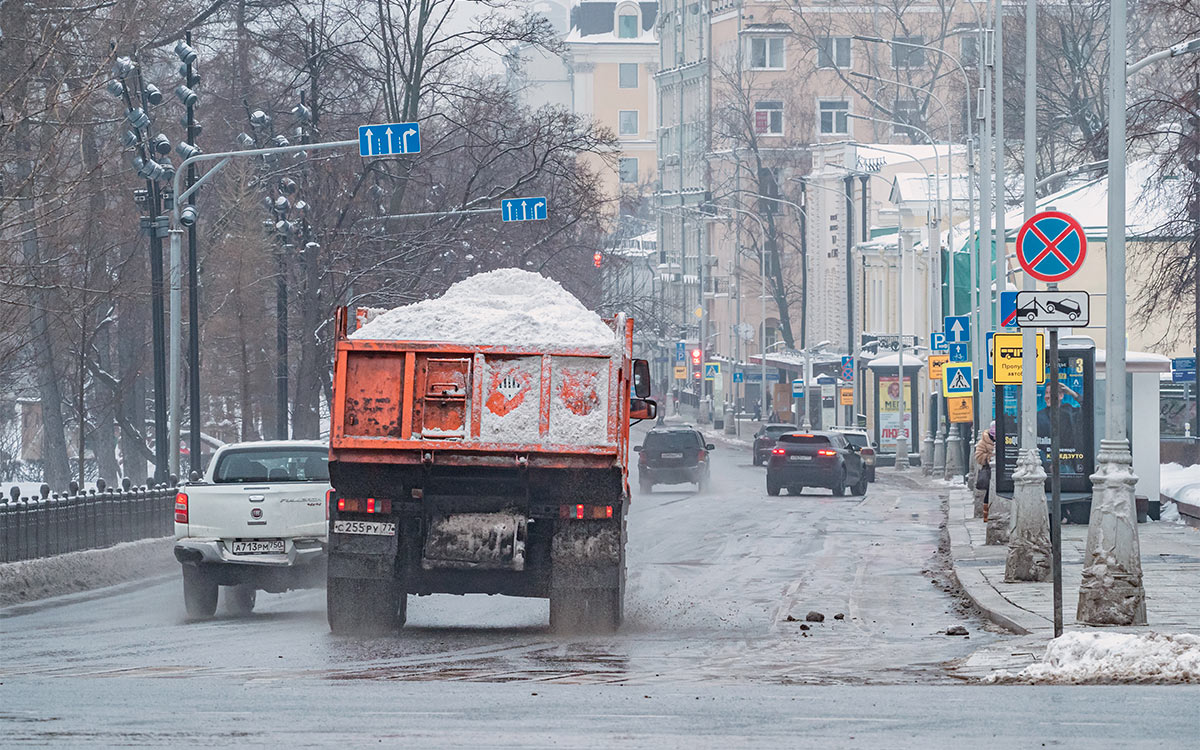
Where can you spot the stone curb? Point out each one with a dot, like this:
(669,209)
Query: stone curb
(971,580)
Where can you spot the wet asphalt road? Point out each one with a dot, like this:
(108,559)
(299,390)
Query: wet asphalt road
(719,584)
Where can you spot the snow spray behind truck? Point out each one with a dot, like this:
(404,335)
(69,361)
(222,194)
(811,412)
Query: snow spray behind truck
(479,444)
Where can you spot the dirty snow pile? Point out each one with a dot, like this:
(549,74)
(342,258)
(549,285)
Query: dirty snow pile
(1180,482)
(1075,658)
(509,307)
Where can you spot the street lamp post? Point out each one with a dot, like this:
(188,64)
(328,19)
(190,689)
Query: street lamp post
(1111,591)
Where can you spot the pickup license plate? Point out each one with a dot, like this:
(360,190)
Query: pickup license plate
(258,547)
(376,528)
(799,458)
(672,455)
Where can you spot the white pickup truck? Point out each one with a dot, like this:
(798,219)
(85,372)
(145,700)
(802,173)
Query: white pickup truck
(257,520)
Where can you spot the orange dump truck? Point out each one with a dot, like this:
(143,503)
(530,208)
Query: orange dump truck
(480,469)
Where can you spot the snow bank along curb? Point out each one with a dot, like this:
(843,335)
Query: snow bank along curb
(1181,485)
(1077,658)
(994,607)
(30,580)
(508,307)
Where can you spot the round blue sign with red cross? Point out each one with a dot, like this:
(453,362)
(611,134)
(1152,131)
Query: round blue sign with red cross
(1051,246)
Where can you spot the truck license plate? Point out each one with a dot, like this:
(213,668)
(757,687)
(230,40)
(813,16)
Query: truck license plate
(258,547)
(376,528)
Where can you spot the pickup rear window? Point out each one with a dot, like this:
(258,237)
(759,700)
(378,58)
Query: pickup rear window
(272,465)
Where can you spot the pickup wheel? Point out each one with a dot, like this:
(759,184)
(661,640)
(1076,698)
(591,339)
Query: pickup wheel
(199,592)
(356,606)
(239,600)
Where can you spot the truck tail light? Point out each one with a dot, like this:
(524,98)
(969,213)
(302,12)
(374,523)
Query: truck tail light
(826,452)
(581,512)
(778,451)
(365,505)
(181,507)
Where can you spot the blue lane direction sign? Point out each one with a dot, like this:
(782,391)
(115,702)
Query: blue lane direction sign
(1183,363)
(937,341)
(959,353)
(956,380)
(389,139)
(739,377)
(958,329)
(1008,309)
(523,209)
(1183,376)
(848,369)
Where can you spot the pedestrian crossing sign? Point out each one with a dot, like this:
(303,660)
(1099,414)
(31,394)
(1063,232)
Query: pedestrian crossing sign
(957,380)
(712,370)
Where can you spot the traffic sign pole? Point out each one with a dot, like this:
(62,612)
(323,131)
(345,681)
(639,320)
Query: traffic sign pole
(1054,399)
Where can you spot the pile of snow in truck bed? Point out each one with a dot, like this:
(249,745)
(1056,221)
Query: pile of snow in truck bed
(508,307)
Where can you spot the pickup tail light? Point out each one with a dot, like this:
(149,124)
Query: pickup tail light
(778,451)
(581,511)
(373,505)
(328,499)
(181,507)
(826,452)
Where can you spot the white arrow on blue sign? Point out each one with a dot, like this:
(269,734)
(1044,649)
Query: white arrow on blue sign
(389,139)
(523,209)
(959,353)
(958,329)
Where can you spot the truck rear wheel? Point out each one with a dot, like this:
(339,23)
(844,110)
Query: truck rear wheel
(356,606)
(199,592)
(586,610)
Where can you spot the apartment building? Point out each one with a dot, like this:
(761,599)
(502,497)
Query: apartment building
(747,91)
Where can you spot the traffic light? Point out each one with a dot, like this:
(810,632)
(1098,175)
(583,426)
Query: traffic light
(597,257)
(697,355)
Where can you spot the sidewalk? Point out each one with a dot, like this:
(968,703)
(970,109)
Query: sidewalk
(1170,574)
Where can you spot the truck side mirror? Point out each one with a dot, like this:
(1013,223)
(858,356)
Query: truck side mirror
(641,379)
(642,408)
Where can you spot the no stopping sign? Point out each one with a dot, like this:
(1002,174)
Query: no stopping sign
(1051,246)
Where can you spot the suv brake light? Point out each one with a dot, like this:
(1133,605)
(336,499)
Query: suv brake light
(701,454)
(181,507)
(826,452)
(778,451)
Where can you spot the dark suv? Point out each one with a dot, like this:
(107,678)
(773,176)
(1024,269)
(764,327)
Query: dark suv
(815,459)
(764,439)
(673,455)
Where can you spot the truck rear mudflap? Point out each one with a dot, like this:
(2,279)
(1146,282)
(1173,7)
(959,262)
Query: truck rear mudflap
(475,541)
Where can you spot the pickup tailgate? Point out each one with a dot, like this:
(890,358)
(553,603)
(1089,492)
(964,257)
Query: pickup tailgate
(257,511)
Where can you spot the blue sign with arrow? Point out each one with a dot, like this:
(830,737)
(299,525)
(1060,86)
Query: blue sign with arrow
(389,139)
(523,209)
(959,353)
(958,329)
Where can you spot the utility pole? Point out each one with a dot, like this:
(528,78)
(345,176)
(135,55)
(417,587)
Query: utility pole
(1111,591)
(1029,544)
(191,79)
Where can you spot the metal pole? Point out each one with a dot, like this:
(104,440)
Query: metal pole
(1054,399)
(194,446)
(984,243)
(1111,591)
(1029,541)
(901,436)
(173,384)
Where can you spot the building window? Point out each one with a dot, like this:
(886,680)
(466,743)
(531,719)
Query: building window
(907,111)
(627,74)
(627,170)
(904,55)
(627,26)
(627,122)
(768,118)
(833,52)
(833,118)
(766,52)
(969,51)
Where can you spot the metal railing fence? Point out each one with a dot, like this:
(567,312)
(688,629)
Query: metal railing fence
(54,523)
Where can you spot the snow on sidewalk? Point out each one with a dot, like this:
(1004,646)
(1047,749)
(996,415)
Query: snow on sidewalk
(1089,657)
